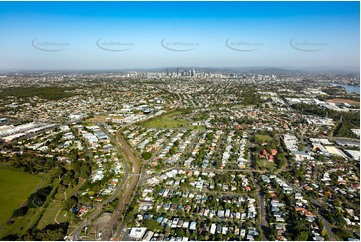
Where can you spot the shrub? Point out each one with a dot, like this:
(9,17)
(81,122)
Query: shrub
(146,155)
(20,212)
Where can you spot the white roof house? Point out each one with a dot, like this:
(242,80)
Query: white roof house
(137,233)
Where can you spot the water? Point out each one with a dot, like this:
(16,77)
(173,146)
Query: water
(350,88)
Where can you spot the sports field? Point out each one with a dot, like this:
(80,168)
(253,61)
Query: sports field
(15,188)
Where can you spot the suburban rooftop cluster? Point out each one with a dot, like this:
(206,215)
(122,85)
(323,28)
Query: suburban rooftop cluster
(181,155)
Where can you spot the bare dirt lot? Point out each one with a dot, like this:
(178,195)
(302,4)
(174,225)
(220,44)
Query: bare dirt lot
(100,223)
(340,100)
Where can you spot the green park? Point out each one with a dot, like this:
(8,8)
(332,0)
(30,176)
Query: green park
(15,188)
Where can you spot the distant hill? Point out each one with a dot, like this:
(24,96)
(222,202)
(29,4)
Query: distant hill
(264,70)
(256,70)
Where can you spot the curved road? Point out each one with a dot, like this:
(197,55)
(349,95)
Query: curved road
(75,235)
(131,184)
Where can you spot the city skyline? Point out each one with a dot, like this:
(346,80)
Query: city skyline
(180,121)
(124,35)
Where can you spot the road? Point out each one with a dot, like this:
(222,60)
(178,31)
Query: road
(129,188)
(327,225)
(261,202)
(317,203)
(207,170)
(264,224)
(75,235)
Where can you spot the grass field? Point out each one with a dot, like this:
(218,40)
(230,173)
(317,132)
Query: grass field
(50,214)
(260,138)
(15,188)
(264,164)
(22,224)
(167,121)
(55,207)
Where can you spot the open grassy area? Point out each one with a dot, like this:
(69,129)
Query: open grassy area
(54,210)
(260,138)
(15,188)
(50,215)
(264,164)
(167,121)
(20,225)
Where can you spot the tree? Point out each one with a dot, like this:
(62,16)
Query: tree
(38,198)
(180,233)
(146,155)
(303,236)
(213,202)
(342,233)
(180,213)
(52,232)
(344,130)
(70,203)
(10,237)
(175,199)
(58,172)
(20,211)
(69,178)
(151,224)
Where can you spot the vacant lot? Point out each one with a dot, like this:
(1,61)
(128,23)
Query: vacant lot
(167,121)
(264,164)
(103,118)
(15,187)
(260,138)
(340,100)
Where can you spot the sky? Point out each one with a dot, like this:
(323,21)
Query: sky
(121,35)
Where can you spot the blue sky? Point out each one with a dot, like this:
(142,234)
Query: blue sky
(294,34)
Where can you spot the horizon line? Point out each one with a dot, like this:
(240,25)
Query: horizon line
(252,68)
